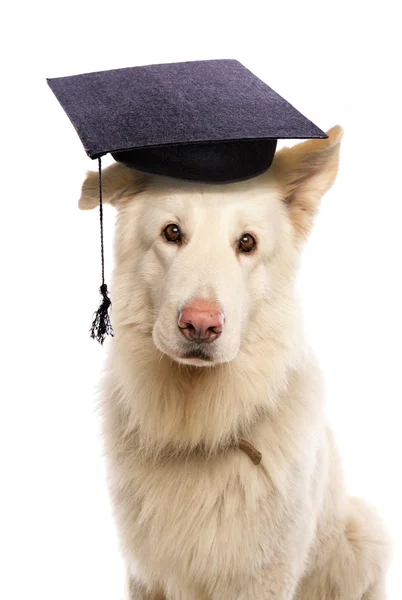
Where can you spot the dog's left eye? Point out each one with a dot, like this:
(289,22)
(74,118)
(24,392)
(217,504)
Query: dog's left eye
(247,243)
(172,233)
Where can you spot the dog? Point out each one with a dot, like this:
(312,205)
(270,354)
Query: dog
(223,472)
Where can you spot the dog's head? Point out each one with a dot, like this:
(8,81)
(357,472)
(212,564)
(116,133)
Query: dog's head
(196,263)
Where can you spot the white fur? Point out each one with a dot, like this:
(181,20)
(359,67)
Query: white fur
(197,519)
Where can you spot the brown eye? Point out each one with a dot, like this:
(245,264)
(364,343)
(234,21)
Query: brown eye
(172,233)
(247,243)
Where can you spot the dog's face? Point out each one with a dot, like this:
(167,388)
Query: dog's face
(208,255)
(194,262)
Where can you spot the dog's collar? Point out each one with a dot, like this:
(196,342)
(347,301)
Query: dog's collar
(200,451)
(251,452)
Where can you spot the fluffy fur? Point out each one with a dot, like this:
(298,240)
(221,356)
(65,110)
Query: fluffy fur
(197,519)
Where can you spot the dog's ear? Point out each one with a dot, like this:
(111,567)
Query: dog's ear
(304,173)
(118,182)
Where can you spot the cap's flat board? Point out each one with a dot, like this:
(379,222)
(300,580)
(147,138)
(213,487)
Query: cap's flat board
(179,103)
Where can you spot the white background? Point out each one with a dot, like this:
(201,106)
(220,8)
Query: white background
(338,62)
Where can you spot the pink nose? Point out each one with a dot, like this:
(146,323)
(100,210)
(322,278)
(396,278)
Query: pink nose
(201,321)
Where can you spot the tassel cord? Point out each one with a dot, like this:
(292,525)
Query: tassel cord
(101,324)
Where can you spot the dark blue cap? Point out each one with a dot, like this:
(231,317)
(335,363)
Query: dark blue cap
(209,121)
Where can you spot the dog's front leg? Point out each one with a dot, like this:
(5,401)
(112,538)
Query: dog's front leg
(137,591)
(274,585)
(278,582)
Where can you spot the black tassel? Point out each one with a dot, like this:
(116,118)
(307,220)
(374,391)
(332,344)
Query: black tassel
(101,325)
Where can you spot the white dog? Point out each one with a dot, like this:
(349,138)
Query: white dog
(223,473)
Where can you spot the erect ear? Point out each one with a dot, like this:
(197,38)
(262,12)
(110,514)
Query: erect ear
(304,173)
(118,182)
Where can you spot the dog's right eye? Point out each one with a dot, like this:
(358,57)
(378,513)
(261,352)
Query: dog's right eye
(172,233)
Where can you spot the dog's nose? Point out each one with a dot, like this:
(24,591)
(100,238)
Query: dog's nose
(201,321)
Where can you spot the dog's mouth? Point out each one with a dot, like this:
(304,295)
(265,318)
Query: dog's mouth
(192,353)
(197,357)
(198,353)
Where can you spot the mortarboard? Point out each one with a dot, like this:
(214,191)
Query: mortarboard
(208,121)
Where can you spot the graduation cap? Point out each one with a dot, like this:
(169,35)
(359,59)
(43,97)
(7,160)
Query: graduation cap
(208,121)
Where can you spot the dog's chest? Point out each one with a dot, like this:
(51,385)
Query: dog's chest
(194,516)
